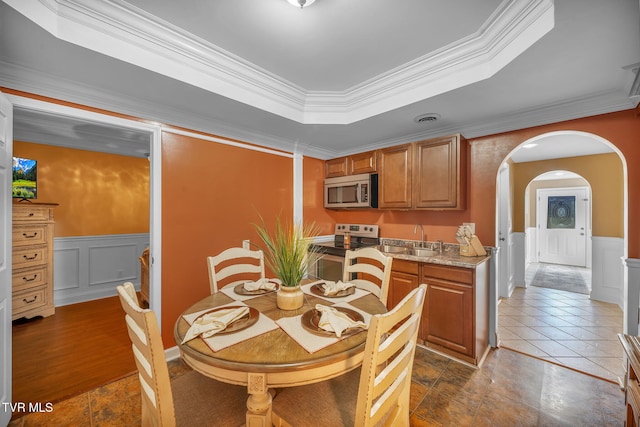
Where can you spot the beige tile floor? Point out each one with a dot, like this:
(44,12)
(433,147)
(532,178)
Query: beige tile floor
(563,327)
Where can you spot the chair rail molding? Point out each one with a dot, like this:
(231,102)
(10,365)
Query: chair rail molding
(90,267)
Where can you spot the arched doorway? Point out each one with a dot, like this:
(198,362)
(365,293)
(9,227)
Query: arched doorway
(589,156)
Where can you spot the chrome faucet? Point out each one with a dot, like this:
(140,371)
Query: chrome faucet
(415,230)
(440,247)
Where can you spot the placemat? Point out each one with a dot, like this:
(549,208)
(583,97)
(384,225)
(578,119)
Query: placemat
(359,293)
(310,342)
(218,342)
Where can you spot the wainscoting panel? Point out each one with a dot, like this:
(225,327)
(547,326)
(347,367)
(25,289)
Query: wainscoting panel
(632,296)
(90,267)
(607,273)
(517,259)
(69,276)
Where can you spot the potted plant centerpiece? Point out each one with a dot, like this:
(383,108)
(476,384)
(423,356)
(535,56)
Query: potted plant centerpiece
(289,254)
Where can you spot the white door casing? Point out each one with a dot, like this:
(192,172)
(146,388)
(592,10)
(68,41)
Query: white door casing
(6,177)
(505,275)
(562,225)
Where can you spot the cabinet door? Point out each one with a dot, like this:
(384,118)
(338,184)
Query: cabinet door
(439,174)
(362,163)
(394,177)
(335,167)
(447,317)
(400,285)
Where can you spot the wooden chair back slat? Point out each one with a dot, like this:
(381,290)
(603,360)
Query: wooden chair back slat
(364,263)
(385,378)
(237,263)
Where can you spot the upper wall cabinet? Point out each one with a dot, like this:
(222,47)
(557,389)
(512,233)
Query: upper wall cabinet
(335,167)
(394,177)
(351,165)
(429,174)
(439,173)
(362,163)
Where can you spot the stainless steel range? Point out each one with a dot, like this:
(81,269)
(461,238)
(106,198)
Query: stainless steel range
(347,236)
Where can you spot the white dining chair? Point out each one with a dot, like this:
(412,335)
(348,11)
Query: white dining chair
(190,399)
(376,394)
(368,269)
(233,266)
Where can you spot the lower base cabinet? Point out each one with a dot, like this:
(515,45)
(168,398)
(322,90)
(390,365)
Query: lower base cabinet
(404,279)
(455,319)
(455,316)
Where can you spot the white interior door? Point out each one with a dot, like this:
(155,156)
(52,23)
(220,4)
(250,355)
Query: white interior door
(6,150)
(562,226)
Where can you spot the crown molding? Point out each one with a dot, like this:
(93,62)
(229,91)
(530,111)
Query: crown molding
(120,30)
(31,81)
(601,103)
(28,80)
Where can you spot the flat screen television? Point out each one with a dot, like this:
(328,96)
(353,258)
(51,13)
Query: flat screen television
(25,178)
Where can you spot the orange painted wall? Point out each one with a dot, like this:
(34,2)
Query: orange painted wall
(211,195)
(97,193)
(486,154)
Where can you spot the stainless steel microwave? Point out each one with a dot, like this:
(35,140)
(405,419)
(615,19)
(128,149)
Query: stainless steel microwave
(353,191)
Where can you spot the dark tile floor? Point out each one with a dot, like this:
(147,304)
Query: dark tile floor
(511,389)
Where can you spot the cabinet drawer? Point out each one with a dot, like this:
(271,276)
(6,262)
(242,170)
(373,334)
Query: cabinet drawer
(28,257)
(25,301)
(28,213)
(28,279)
(404,266)
(32,235)
(454,274)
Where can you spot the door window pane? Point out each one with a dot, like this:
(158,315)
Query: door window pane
(561,212)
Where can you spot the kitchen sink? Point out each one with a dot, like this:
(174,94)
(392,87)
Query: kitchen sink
(393,249)
(423,252)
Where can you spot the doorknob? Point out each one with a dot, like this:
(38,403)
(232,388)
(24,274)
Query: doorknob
(582,234)
(501,239)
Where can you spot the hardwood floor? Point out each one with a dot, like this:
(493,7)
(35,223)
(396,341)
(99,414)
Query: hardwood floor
(81,347)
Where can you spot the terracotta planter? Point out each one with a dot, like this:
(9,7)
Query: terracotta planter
(289,298)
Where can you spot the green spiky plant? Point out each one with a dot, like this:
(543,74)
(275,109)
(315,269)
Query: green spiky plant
(288,251)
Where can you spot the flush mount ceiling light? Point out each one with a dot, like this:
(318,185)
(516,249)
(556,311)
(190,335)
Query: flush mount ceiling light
(427,118)
(301,3)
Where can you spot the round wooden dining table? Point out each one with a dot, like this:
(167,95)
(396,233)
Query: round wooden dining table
(272,360)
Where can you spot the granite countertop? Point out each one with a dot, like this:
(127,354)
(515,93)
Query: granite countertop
(450,255)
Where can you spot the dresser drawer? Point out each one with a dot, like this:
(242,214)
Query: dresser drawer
(25,301)
(29,257)
(31,235)
(31,213)
(28,279)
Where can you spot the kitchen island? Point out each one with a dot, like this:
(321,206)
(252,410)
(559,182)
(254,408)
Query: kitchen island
(455,317)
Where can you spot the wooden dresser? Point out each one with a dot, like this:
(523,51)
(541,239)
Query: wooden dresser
(32,276)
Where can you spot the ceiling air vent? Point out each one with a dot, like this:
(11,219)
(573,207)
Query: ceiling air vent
(426,118)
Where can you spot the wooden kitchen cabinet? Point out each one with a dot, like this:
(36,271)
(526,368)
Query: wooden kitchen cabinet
(439,173)
(429,174)
(394,177)
(351,165)
(455,317)
(335,167)
(404,278)
(32,260)
(362,163)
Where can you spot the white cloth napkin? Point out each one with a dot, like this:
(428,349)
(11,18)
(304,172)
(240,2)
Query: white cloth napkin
(212,323)
(335,321)
(268,284)
(332,288)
